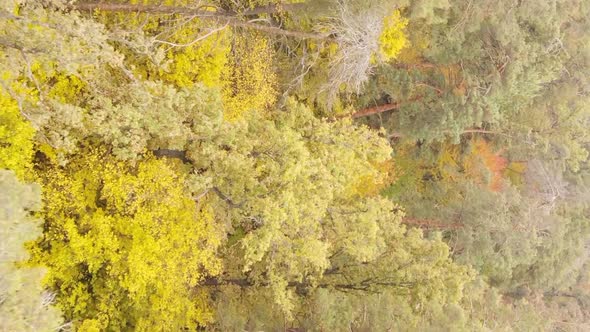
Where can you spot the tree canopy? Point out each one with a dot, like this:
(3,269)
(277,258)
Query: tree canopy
(273,165)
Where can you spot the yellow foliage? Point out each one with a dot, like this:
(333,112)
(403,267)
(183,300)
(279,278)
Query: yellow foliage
(515,172)
(249,82)
(16,138)
(372,184)
(66,88)
(203,62)
(448,161)
(48,151)
(413,55)
(184,61)
(393,38)
(90,325)
(124,245)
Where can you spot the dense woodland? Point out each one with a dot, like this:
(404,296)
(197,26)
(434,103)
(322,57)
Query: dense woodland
(274,165)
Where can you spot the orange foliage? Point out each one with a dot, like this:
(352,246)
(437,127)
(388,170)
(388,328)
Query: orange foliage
(484,165)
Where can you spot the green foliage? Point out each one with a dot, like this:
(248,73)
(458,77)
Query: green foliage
(561,256)
(398,288)
(94,95)
(501,57)
(273,217)
(151,115)
(482,309)
(42,78)
(24,305)
(125,246)
(492,228)
(277,179)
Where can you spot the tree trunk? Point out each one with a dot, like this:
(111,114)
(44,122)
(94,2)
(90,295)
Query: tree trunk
(464,132)
(376,110)
(221,18)
(364,285)
(169,153)
(383,108)
(430,224)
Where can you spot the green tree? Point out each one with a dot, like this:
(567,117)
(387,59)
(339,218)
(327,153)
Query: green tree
(24,304)
(299,215)
(477,66)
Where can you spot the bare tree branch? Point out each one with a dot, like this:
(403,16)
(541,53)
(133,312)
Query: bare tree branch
(196,40)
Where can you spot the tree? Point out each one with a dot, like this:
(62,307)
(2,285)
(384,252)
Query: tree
(477,65)
(232,20)
(44,80)
(203,166)
(481,309)
(24,304)
(124,244)
(299,216)
(489,223)
(168,46)
(266,177)
(412,272)
(365,35)
(90,92)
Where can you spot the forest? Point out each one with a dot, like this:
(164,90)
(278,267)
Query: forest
(294,165)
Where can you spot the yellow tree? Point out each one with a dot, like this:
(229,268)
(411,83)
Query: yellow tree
(24,304)
(16,136)
(124,245)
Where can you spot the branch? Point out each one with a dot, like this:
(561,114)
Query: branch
(274,8)
(146,9)
(158,9)
(10,44)
(226,198)
(483,131)
(192,42)
(438,91)
(422,65)
(343,287)
(201,195)
(19,102)
(205,15)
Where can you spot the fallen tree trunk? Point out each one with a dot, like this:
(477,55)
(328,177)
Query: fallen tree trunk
(383,108)
(376,110)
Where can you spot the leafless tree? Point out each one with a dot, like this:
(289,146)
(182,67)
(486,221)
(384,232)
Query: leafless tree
(545,182)
(356,31)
